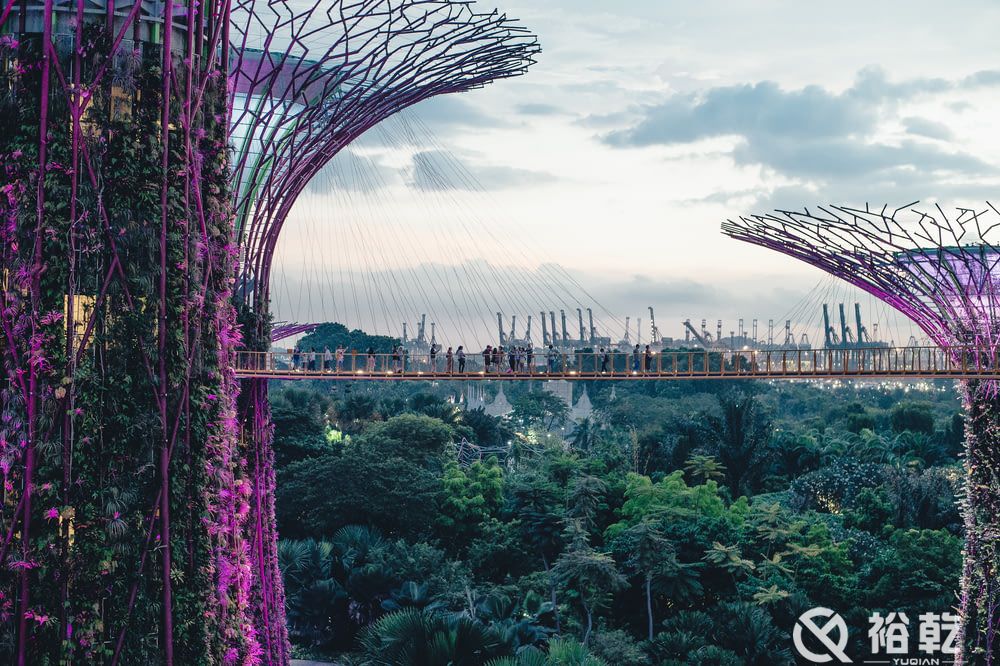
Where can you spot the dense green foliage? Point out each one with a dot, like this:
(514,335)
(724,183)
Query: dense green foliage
(675,525)
(332,335)
(86,566)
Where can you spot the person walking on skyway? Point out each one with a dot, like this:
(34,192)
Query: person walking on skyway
(340,358)
(397,363)
(487,357)
(433,356)
(605,360)
(636,359)
(461,359)
(449,361)
(648,360)
(296,357)
(550,357)
(371,360)
(531,359)
(327,359)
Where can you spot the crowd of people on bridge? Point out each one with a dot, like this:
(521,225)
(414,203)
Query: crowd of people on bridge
(511,360)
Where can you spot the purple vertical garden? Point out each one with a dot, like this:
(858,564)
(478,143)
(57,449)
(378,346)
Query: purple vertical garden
(125,493)
(940,271)
(150,153)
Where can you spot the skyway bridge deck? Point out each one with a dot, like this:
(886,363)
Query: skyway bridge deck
(857,363)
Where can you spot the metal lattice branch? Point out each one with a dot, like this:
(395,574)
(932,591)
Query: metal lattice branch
(306,82)
(936,269)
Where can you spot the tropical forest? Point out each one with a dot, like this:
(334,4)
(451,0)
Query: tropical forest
(602,522)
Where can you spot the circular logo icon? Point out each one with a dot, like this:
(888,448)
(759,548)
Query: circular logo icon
(831,623)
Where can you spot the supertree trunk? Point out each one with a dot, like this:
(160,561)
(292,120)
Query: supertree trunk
(301,93)
(267,594)
(125,496)
(980,600)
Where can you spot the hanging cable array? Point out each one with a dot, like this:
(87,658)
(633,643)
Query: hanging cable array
(376,245)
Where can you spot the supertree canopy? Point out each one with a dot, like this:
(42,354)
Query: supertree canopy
(135,519)
(942,272)
(308,82)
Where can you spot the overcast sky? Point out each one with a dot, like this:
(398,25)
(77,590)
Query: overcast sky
(644,124)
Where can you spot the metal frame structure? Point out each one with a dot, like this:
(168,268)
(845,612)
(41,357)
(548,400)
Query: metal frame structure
(119,259)
(305,83)
(942,272)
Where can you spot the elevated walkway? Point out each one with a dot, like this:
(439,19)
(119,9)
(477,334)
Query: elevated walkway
(877,362)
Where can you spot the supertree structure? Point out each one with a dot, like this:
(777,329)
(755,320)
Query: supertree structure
(306,82)
(941,272)
(124,491)
(134,517)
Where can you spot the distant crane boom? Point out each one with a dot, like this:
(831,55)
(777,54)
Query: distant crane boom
(697,336)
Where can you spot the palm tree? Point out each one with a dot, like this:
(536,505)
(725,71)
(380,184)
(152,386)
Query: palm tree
(648,554)
(353,544)
(678,580)
(412,595)
(566,652)
(706,468)
(749,631)
(518,625)
(769,595)
(311,589)
(411,637)
(591,575)
(562,652)
(586,434)
(586,498)
(729,559)
(739,434)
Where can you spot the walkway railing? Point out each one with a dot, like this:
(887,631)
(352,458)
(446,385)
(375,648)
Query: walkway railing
(876,362)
